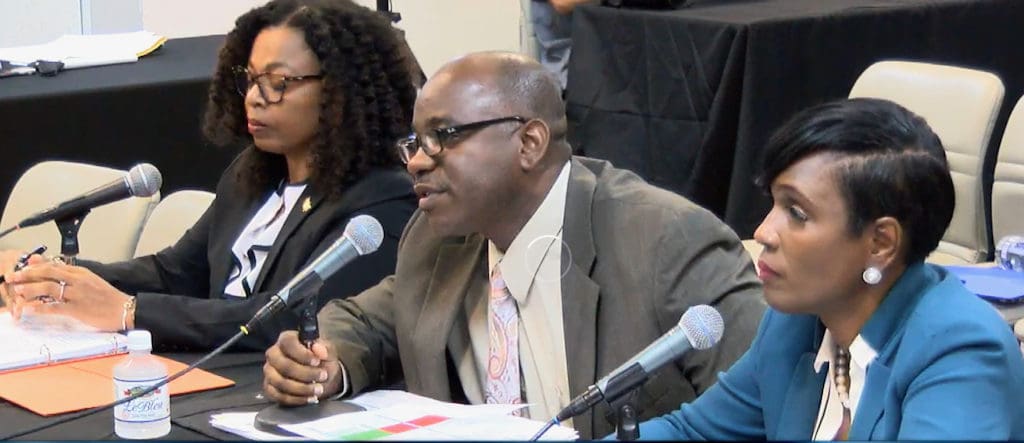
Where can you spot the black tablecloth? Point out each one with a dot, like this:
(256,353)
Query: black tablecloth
(117,116)
(688,98)
(189,413)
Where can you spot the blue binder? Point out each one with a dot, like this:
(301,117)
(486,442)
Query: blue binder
(994,284)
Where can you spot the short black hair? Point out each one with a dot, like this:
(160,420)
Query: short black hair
(888,162)
(367,94)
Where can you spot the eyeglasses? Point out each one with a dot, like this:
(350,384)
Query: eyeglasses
(271,85)
(433,144)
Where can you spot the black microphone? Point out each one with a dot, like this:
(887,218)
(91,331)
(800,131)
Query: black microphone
(699,328)
(142,180)
(363,235)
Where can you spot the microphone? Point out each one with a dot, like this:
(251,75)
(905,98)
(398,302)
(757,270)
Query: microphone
(143,180)
(363,235)
(699,328)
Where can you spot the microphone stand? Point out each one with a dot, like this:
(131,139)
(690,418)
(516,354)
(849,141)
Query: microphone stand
(68,228)
(626,426)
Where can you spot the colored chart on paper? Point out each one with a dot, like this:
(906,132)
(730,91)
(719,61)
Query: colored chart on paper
(397,428)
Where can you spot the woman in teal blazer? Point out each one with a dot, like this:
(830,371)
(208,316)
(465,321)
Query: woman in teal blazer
(863,339)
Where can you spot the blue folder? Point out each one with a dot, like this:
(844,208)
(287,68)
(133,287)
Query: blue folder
(994,284)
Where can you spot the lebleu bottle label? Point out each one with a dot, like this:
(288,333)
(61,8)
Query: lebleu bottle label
(153,406)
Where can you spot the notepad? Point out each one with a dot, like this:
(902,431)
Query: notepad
(39,340)
(994,284)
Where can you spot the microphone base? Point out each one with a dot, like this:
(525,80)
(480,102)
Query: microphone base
(272,417)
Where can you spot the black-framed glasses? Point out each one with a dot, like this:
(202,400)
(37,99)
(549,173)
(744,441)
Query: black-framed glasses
(271,85)
(433,143)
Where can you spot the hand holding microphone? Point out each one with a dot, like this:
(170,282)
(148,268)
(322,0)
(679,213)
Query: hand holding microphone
(299,367)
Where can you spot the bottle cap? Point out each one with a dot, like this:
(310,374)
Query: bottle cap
(140,340)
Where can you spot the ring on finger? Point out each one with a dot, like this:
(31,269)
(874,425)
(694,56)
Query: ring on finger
(60,297)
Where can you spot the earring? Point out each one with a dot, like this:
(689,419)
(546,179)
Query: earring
(872,275)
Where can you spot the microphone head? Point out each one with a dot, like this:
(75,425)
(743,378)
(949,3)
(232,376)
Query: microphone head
(702,325)
(144,180)
(365,233)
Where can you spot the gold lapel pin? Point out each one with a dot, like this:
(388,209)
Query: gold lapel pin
(307,204)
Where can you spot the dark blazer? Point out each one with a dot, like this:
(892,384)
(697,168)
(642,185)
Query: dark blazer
(180,289)
(640,256)
(948,368)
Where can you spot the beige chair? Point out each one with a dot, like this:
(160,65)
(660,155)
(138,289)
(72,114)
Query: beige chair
(174,215)
(961,106)
(1008,180)
(108,233)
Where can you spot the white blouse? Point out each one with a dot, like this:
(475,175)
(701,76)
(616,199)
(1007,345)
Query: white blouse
(251,248)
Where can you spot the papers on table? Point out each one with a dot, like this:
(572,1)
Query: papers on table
(241,424)
(44,339)
(397,415)
(79,51)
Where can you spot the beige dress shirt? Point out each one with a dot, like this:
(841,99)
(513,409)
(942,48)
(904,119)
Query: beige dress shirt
(532,268)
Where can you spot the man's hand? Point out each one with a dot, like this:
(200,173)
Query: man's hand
(296,375)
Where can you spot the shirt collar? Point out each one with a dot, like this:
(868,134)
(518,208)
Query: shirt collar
(861,353)
(526,252)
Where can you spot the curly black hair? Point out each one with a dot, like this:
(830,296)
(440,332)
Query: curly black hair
(366,103)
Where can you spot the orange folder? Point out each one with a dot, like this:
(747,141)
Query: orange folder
(85,384)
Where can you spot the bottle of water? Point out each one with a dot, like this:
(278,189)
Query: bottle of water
(148,416)
(1010,253)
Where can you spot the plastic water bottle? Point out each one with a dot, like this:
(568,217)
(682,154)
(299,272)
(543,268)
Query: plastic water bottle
(148,416)
(1010,253)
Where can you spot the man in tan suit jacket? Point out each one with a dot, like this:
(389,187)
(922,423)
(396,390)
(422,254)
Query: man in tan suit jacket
(633,258)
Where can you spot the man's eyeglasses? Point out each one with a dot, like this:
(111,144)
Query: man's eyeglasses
(432,144)
(271,85)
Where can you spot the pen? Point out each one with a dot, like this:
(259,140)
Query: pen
(23,260)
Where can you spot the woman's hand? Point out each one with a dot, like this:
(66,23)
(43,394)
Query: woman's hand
(8,260)
(74,291)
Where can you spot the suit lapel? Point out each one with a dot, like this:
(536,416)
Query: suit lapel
(580,294)
(800,409)
(304,206)
(456,268)
(869,409)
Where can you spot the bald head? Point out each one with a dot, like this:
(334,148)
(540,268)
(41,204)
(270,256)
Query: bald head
(517,83)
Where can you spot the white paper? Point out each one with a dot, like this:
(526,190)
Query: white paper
(77,51)
(397,415)
(42,339)
(241,423)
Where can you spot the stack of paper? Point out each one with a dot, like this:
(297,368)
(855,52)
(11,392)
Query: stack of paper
(396,415)
(79,51)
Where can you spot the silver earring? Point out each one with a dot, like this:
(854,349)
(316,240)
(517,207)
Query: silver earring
(872,275)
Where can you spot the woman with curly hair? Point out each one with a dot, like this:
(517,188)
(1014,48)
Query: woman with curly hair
(318,91)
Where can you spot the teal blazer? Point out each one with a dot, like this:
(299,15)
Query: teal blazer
(948,367)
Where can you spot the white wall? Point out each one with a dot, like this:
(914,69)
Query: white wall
(107,16)
(189,18)
(27,22)
(437,30)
